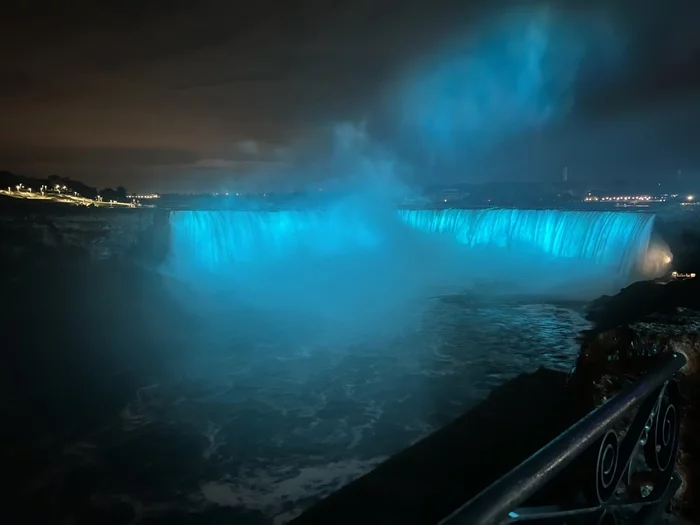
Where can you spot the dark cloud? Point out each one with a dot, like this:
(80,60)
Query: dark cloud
(647,146)
(157,91)
(117,157)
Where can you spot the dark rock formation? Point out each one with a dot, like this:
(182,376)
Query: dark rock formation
(34,230)
(632,329)
(643,298)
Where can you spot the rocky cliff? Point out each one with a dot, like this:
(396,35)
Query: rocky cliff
(632,330)
(67,232)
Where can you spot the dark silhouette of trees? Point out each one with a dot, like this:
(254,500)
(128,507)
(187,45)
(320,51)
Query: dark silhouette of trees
(11,180)
(110,194)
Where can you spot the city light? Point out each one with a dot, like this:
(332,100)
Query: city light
(634,198)
(57,194)
(678,275)
(641,199)
(144,196)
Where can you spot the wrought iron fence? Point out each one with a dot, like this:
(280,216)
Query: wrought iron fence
(619,461)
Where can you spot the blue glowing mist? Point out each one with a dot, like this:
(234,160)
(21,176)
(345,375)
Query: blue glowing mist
(516,71)
(353,264)
(364,266)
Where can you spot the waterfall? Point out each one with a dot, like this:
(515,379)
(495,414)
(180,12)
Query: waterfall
(212,240)
(361,252)
(612,239)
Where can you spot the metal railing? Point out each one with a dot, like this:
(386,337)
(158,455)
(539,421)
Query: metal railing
(621,457)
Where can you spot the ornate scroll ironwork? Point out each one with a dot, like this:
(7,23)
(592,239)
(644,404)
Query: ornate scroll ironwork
(631,468)
(618,464)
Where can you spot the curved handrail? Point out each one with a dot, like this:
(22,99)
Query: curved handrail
(496,504)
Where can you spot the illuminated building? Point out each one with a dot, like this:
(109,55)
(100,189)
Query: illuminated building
(679,275)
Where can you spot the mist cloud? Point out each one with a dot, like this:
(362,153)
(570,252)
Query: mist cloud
(518,72)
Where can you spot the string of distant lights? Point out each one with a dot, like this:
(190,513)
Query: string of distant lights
(146,196)
(636,198)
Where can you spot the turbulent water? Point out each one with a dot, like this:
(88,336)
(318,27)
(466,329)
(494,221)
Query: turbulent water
(312,346)
(264,422)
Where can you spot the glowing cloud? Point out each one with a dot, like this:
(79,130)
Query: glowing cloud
(516,73)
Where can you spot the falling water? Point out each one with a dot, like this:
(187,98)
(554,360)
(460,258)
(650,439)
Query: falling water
(612,239)
(218,240)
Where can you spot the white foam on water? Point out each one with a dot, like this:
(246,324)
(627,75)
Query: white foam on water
(269,491)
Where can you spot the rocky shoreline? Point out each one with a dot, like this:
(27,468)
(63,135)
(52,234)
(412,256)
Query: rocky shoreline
(29,232)
(631,330)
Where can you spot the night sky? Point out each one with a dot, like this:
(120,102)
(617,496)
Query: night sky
(208,95)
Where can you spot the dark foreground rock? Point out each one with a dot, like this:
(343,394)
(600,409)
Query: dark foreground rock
(431,479)
(632,329)
(641,299)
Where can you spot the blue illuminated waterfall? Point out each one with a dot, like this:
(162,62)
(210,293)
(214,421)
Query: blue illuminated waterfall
(613,239)
(351,252)
(214,240)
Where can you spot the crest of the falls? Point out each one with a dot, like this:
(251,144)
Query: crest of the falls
(215,240)
(614,239)
(387,255)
